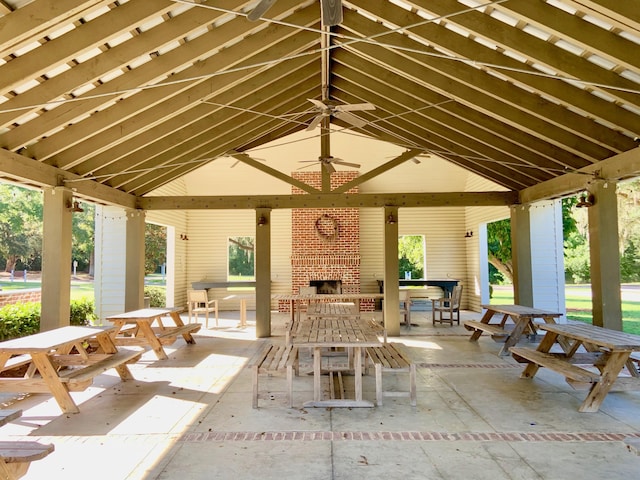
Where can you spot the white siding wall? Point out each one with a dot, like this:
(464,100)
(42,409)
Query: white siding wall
(110,232)
(547,253)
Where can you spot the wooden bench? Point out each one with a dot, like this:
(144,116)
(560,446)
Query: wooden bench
(557,362)
(175,331)
(87,372)
(15,457)
(390,358)
(495,330)
(273,360)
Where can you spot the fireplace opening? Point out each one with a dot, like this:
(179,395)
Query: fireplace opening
(327,287)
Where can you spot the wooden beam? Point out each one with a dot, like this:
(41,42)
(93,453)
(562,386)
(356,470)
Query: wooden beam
(330,200)
(21,169)
(619,167)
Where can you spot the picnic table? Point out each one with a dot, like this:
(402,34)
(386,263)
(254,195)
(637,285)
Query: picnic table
(523,319)
(322,333)
(296,299)
(60,361)
(607,351)
(332,310)
(137,328)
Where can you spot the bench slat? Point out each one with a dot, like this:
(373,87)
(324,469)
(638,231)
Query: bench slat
(88,372)
(491,328)
(557,363)
(22,451)
(175,331)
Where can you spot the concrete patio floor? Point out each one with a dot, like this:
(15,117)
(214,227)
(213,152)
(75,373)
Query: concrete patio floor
(190,417)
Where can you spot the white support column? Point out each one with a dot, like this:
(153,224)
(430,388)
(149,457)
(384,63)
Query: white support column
(134,261)
(391,309)
(521,255)
(56,258)
(605,255)
(263,272)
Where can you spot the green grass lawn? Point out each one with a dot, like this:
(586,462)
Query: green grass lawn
(579,307)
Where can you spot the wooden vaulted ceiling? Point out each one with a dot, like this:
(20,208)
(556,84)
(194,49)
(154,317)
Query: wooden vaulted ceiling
(118,98)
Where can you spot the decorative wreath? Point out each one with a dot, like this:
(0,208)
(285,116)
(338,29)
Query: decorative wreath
(326,228)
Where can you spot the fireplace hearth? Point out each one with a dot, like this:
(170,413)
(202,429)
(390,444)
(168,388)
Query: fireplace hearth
(327,287)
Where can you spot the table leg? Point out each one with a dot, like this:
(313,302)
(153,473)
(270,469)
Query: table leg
(152,340)
(175,316)
(357,361)
(545,345)
(243,313)
(609,375)
(317,374)
(58,389)
(514,336)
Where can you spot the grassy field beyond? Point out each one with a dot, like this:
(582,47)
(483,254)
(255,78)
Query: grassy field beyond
(578,304)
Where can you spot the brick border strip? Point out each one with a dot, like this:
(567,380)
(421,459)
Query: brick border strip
(276,436)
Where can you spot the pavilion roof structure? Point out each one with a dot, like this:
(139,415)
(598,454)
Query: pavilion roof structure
(118,98)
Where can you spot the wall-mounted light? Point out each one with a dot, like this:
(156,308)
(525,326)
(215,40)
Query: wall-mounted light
(468,234)
(391,219)
(586,201)
(74,207)
(262,221)
(183,236)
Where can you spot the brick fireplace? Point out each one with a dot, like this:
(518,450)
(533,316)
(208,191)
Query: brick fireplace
(326,241)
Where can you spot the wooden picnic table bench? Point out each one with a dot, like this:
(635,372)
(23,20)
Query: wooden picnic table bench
(332,310)
(60,361)
(523,319)
(608,352)
(145,327)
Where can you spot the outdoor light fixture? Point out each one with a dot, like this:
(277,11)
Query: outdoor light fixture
(468,234)
(391,219)
(586,201)
(74,207)
(183,236)
(262,221)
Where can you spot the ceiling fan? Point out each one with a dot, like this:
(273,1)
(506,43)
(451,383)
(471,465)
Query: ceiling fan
(328,162)
(343,112)
(331,11)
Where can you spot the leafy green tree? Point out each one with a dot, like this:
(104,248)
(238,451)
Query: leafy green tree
(155,247)
(20,225)
(241,256)
(83,235)
(411,256)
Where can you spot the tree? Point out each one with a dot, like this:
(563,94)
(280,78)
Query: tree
(411,256)
(499,239)
(241,256)
(20,226)
(155,247)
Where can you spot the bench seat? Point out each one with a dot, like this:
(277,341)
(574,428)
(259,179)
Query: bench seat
(175,331)
(390,358)
(274,360)
(494,329)
(556,362)
(82,374)
(15,457)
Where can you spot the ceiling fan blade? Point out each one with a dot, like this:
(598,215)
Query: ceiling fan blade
(415,160)
(260,10)
(346,164)
(350,118)
(327,165)
(331,12)
(319,104)
(315,122)
(352,107)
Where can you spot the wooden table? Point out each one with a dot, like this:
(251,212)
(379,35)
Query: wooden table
(522,318)
(607,350)
(295,299)
(319,333)
(142,332)
(243,297)
(332,310)
(59,361)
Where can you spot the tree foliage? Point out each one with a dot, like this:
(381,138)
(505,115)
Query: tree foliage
(20,226)
(155,247)
(241,257)
(411,256)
